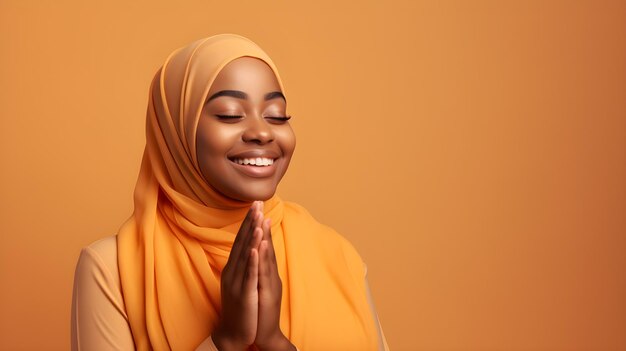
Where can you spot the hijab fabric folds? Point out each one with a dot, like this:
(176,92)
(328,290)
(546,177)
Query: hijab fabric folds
(172,249)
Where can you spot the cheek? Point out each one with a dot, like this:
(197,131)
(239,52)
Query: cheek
(287,140)
(213,144)
(215,140)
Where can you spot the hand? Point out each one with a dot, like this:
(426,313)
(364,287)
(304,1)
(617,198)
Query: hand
(237,327)
(268,335)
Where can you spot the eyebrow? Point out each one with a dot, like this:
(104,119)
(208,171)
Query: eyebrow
(241,95)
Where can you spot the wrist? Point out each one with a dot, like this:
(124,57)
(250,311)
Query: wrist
(224,343)
(278,342)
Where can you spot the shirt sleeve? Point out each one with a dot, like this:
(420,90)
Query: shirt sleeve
(99,320)
(382,341)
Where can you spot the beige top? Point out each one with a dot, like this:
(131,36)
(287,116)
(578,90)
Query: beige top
(99,320)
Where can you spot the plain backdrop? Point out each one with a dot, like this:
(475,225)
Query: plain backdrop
(474,152)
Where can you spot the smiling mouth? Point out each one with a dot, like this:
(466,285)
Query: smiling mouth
(253,161)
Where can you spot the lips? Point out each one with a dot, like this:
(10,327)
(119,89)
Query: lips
(259,161)
(254,154)
(255,163)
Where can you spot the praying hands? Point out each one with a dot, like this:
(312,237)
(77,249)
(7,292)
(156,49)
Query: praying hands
(251,290)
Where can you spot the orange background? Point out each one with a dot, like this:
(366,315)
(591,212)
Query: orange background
(473,151)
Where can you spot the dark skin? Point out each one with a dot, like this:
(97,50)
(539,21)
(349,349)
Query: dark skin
(242,127)
(244,119)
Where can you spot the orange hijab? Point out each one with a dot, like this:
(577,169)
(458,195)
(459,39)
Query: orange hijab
(172,250)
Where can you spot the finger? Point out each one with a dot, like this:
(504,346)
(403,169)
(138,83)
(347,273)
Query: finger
(246,233)
(247,221)
(267,231)
(248,237)
(242,265)
(237,246)
(251,280)
(264,268)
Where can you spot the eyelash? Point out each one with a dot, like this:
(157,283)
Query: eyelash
(281,119)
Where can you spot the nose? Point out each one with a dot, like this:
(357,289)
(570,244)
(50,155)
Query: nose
(257,130)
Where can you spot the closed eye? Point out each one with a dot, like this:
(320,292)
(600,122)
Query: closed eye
(281,119)
(277,119)
(229,118)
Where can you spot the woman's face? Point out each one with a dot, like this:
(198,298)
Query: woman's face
(244,144)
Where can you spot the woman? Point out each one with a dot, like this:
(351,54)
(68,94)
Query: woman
(212,258)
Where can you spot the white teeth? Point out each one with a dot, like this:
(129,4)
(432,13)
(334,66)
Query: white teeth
(259,161)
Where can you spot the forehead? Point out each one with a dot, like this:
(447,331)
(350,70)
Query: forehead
(246,74)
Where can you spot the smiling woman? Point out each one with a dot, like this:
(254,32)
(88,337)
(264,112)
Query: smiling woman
(244,141)
(211,257)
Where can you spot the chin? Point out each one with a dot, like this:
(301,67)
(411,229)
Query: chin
(254,195)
